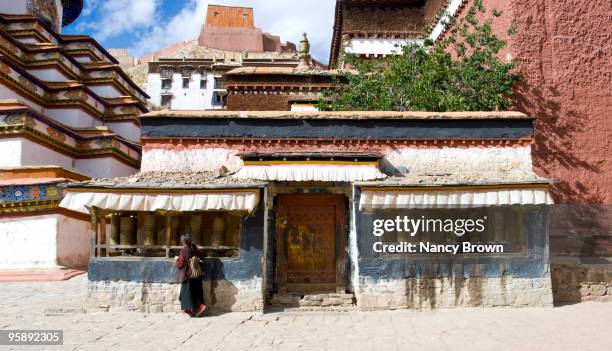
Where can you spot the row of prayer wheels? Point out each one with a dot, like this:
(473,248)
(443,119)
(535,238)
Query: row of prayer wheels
(124,229)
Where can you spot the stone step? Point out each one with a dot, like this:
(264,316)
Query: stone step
(312,300)
(277,308)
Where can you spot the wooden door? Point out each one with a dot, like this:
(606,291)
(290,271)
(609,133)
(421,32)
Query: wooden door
(311,240)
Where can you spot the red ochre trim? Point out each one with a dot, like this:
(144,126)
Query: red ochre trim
(35,173)
(52,211)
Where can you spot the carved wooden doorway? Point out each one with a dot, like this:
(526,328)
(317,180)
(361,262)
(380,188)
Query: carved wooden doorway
(311,243)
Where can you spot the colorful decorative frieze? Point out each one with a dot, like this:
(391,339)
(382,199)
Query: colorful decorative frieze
(27,193)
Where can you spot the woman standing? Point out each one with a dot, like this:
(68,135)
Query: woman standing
(189,274)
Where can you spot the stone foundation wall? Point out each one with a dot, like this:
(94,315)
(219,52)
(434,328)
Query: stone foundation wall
(431,293)
(219,295)
(582,282)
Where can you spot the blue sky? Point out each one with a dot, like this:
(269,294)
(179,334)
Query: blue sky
(144,26)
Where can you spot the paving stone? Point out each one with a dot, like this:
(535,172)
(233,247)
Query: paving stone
(23,305)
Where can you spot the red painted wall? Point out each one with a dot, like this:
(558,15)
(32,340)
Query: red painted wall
(565,52)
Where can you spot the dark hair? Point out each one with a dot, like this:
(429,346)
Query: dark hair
(186,238)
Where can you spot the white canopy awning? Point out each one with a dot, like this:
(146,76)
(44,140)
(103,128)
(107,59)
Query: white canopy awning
(312,172)
(382,198)
(230,200)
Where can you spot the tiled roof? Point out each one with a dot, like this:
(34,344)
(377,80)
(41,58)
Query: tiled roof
(460,179)
(169,180)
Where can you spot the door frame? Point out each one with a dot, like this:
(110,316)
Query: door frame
(283,201)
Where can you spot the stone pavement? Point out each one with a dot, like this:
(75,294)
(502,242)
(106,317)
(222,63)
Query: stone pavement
(59,305)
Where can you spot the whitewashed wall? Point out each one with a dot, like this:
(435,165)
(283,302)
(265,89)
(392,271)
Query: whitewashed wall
(33,154)
(192,98)
(415,160)
(378,46)
(73,242)
(127,130)
(190,160)
(105,167)
(28,242)
(22,152)
(106,91)
(43,242)
(10,149)
(72,117)
(49,75)
(457,160)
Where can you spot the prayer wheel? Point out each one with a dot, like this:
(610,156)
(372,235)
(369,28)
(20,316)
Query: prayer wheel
(114,234)
(195,221)
(149,226)
(161,230)
(218,231)
(175,234)
(128,230)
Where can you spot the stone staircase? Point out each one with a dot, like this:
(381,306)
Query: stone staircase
(312,301)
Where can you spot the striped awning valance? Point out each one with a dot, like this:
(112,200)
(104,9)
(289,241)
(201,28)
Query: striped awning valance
(382,198)
(230,200)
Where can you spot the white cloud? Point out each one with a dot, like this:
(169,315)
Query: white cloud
(151,30)
(184,25)
(120,16)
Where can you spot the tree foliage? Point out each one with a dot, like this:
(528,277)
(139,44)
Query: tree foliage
(460,72)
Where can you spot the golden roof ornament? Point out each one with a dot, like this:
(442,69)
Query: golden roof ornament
(304,53)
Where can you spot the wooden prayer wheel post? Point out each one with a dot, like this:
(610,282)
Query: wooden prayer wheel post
(114,234)
(168,234)
(102,240)
(93,232)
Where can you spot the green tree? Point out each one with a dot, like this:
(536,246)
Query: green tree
(460,72)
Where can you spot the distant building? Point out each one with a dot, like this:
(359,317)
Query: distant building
(371,28)
(293,87)
(198,83)
(125,60)
(189,75)
(67,112)
(233,29)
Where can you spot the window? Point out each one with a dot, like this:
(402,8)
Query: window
(185,83)
(166,72)
(166,84)
(219,99)
(166,100)
(219,84)
(186,71)
(203,83)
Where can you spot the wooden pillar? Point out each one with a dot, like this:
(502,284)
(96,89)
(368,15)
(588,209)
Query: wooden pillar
(93,232)
(168,234)
(114,234)
(102,240)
